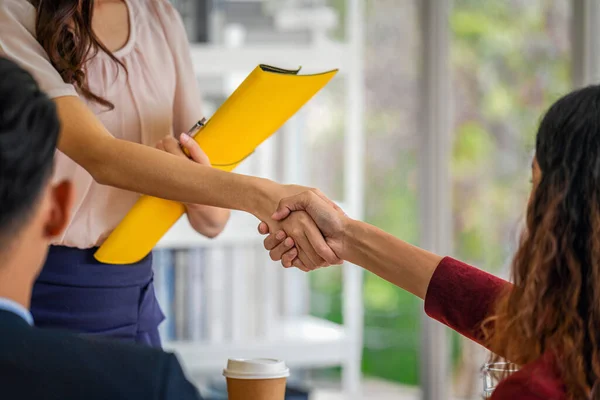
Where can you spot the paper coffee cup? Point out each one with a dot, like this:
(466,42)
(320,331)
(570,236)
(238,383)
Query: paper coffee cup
(256,379)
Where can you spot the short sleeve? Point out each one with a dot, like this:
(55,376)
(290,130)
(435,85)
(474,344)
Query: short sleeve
(187,105)
(18,43)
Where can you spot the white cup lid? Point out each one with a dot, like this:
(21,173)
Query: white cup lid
(258,368)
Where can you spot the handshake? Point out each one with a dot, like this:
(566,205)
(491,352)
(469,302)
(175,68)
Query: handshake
(307,231)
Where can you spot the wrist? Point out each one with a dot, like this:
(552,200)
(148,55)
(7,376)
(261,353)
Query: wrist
(262,198)
(352,232)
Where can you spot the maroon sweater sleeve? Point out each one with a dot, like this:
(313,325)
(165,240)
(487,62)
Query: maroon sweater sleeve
(520,390)
(461,296)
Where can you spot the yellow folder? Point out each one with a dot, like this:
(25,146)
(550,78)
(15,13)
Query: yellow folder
(266,99)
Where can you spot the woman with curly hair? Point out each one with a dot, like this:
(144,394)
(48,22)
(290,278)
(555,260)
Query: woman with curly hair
(547,321)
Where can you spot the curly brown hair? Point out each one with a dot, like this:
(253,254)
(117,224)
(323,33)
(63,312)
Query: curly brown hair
(554,305)
(64,29)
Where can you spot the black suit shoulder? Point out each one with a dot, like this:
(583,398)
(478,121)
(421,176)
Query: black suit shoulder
(43,364)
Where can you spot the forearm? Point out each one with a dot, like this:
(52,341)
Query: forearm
(398,262)
(458,295)
(175,178)
(206,220)
(143,169)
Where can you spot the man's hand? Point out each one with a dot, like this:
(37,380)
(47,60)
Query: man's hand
(329,218)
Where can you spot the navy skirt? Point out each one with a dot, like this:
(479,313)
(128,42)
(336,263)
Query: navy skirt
(77,293)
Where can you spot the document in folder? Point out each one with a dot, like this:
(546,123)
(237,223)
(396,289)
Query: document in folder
(267,98)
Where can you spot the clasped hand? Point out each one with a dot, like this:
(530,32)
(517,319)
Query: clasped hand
(300,215)
(307,227)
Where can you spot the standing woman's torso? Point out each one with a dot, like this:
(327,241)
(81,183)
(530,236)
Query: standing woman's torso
(156,96)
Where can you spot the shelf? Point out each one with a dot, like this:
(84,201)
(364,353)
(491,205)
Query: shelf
(219,60)
(301,342)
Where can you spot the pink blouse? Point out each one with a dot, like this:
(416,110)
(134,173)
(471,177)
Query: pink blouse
(158,97)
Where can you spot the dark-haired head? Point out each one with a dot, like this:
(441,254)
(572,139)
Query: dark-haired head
(554,306)
(31,210)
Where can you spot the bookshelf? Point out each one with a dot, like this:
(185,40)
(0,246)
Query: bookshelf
(250,306)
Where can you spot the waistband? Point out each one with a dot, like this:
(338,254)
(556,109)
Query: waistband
(78,267)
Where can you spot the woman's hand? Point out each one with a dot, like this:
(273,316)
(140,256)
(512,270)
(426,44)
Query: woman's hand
(171,145)
(206,220)
(398,262)
(297,241)
(312,250)
(329,218)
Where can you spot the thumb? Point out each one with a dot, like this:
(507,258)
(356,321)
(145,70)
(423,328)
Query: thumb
(194,149)
(289,204)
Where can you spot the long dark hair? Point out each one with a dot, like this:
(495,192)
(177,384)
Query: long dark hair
(64,29)
(554,306)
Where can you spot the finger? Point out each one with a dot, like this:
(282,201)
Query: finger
(288,258)
(278,252)
(289,204)
(196,152)
(302,257)
(263,228)
(310,251)
(160,145)
(172,146)
(300,265)
(306,253)
(318,249)
(273,240)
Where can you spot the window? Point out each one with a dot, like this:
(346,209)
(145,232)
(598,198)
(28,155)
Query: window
(510,61)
